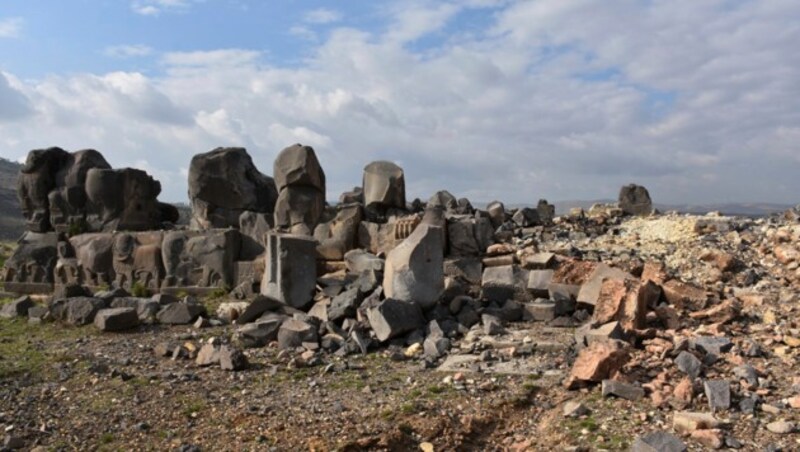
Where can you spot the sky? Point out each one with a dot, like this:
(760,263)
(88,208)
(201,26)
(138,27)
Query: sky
(490,99)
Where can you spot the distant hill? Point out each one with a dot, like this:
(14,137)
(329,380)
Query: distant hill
(744,209)
(11,222)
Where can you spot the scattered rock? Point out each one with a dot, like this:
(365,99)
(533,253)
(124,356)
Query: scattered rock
(622,390)
(116,319)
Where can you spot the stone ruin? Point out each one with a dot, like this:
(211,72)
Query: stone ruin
(97,233)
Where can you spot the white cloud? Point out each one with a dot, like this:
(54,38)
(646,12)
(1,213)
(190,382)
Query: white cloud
(127,51)
(304,32)
(412,21)
(11,27)
(553,99)
(222,57)
(14,105)
(322,16)
(156,7)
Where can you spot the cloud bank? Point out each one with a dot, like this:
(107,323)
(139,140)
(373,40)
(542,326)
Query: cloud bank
(516,100)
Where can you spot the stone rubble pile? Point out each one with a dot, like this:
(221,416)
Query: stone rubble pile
(666,308)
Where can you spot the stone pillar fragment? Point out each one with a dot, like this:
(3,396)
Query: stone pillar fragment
(290,274)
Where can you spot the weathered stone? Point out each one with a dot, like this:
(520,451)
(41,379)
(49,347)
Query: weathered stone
(540,261)
(231,358)
(208,355)
(655,271)
(297,165)
(711,345)
(689,364)
(145,308)
(625,300)
(608,331)
(684,296)
(294,333)
(444,200)
(16,308)
(200,259)
(290,275)
(747,373)
(526,217)
(384,186)
(339,235)
(468,269)
(137,261)
(658,442)
(260,333)
(392,317)
(539,282)
(229,311)
(596,363)
(497,213)
(781,427)
(499,284)
(590,290)
(635,200)
(685,422)
(256,308)
(546,211)
(435,347)
(718,393)
(38,314)
(414,270)
(345,304)
(126,200)
(540,310)
(301,190)
(223,184)
(574,409)
(81,310)
(723,312)
(116,319)
(30,269)
(253,227)
(492,325)
(622,390)
(180,313)
(358,261)
(710,438)
(468,236)
(52,188)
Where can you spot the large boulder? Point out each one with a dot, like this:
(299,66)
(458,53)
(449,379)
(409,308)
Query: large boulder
(635,200)
(223,184)
(301,190)
(391,318)
(52,188)
(414,269)
(384,186)
(339,235)
(290,275)
(116,319)
(444,200)
(79,192)
(469,236)
(126,200)
(297,165)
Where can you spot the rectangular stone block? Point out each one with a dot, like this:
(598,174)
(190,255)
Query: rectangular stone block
(290,273)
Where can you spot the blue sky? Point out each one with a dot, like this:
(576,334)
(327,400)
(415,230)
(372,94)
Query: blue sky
(510,99)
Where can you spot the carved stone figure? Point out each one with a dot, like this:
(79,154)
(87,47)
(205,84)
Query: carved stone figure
(224,183)
(301,190)
(200,259)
